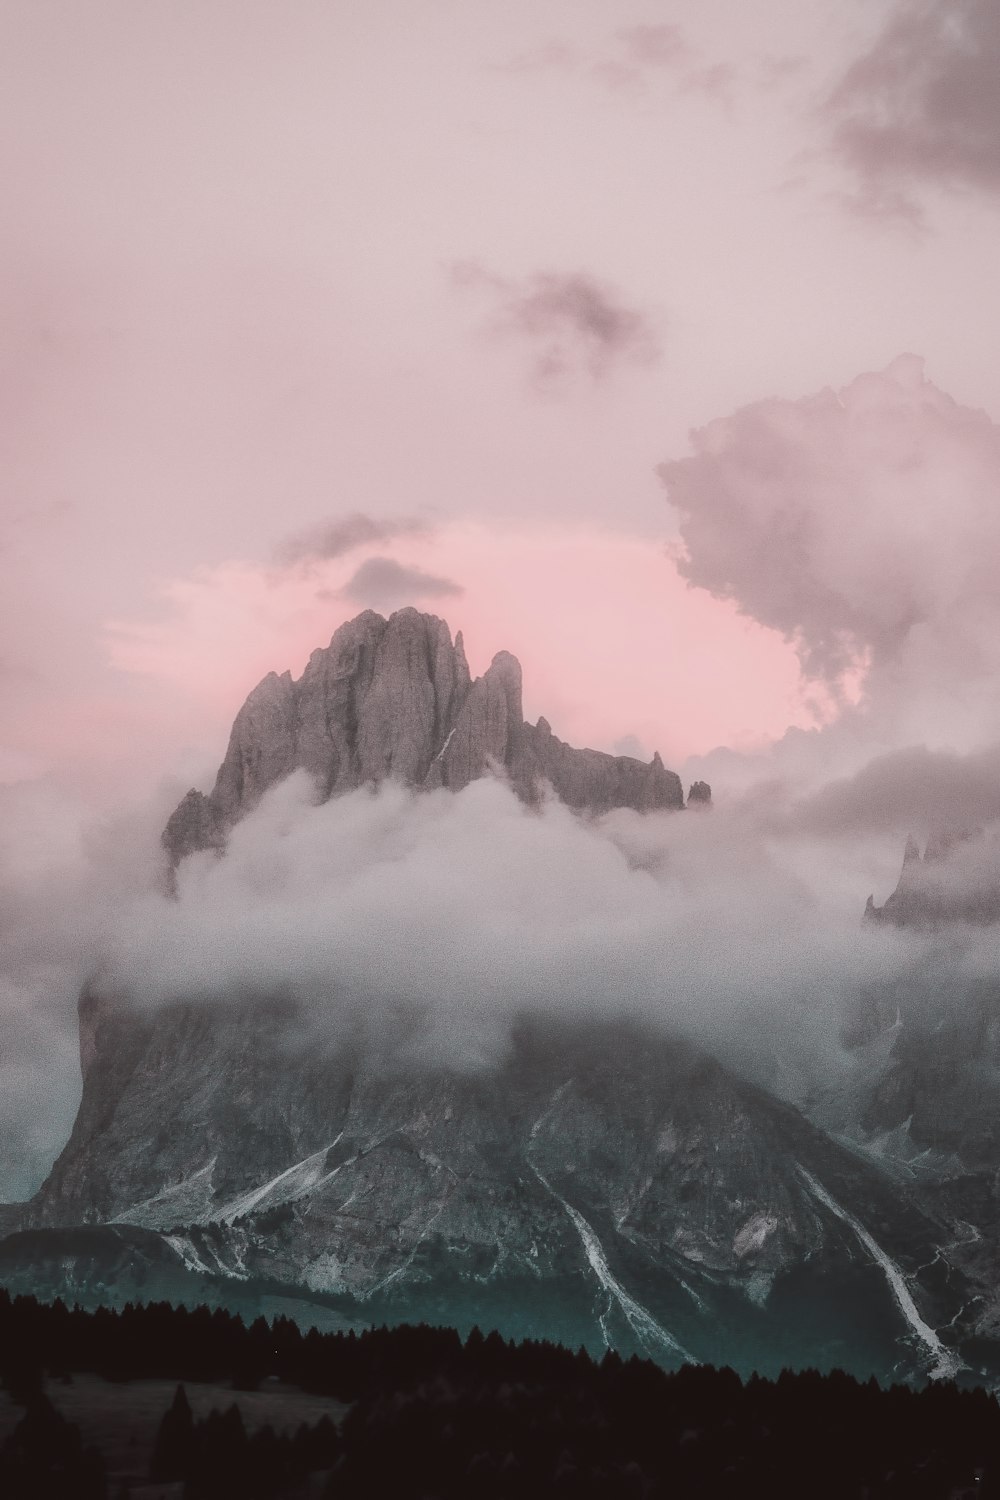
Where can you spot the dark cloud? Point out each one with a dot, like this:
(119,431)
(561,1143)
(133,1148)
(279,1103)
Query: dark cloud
(916,790)
(654,46)
(573,323)
(640,51)
(631,59)
(777,68)
(717,81)
(664,49)
(337,537)
(922,105)
(635,58)
(383,583)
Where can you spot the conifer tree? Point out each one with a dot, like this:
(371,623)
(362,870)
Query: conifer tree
(174,1441)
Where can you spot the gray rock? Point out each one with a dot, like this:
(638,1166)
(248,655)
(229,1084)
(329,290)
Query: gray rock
(394,698)
(933,892)
(673,1204)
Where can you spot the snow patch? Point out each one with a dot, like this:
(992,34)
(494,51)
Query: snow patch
(444,746)
(324,1274)
(752,1235)
(946,1361)
(548,1110)
(758,1287)
(187,1202)
(402,1269)
(188,1254)
(643,1324)
(295,1180)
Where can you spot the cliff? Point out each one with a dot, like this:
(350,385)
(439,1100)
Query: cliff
(394,698)
(600,1184)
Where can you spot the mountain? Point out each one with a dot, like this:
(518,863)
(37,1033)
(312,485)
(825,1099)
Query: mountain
(923,1098)
(394,698)
(943,886)
(600,1183)
(931,1035)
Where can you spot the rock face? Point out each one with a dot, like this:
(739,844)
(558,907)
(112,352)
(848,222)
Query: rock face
(937,1085)
(601,1185)
(394,698)
(923,1097)
(934,891)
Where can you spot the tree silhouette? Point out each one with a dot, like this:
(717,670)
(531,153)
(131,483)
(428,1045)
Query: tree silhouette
(171,1457)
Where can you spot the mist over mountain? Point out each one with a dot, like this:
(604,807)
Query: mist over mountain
(419,1010)
(401,1031)
(395,839)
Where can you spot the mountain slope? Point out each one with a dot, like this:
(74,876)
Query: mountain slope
(602,1185)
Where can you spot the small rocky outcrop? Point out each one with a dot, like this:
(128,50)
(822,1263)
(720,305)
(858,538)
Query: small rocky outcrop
(395,698)
(699,794)
(934,890)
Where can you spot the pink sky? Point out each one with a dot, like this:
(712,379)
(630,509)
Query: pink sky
(232,314)
(614,643)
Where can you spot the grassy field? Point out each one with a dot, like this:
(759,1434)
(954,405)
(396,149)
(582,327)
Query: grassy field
(121,1419)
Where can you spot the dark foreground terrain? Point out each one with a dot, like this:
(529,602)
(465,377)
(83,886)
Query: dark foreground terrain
(156,1401)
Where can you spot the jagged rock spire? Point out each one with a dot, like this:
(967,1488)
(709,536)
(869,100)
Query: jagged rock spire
(395,698)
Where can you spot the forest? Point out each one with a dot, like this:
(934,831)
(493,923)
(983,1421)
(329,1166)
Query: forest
(420,1413)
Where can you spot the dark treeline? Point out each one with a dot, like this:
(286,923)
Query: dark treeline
(431,1417)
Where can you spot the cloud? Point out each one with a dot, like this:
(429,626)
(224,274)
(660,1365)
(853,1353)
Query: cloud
(640,52)
(631,744)
(461,912)
(864,526)
(435,920)
(715,81)
(554,54)
(921,106)
(383,583)
(659,45)
(63,877)
(915,790)
(573,323)
(335,538)
(636,58)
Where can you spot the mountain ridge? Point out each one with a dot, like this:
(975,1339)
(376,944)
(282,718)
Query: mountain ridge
(395,698)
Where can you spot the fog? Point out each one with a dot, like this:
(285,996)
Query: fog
(67,880)
(459,913)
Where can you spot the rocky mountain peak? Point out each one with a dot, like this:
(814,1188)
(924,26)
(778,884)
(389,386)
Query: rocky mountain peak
(911,853)
(394,698)
(931,889)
